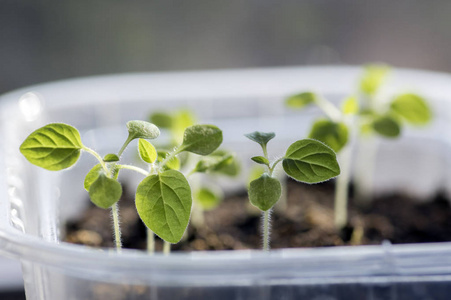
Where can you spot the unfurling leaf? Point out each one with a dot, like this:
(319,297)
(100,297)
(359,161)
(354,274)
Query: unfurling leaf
(201,139)
(300,100)
(173,163)
(310,161)
(260,160)
(142,129)
(260,137)
(373,77)
(104,191)
(386,126)
(350,106)
(207,198)
(333,134)
(264,192)
(147,151)
(54,147)
(110,158)
(164,204)
(413,108)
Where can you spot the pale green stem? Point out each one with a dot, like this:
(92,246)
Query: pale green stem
(137,169)
(341,190)
(329,109)
(366,159)
(150,241)
(129,139)
(273,167)
(266,219)
(166,248)
(265,151)
(99,158)
(117,229)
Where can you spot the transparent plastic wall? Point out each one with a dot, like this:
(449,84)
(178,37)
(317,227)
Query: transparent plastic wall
(35,203)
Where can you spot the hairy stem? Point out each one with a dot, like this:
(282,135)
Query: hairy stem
(273,166)
(129,139)
(99,158)
(150,241)
(329,109)
(266,229)
(170,156)
(166,248)
(117,229)
(137,169)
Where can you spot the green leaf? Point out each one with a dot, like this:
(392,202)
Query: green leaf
(386,126)
(92,176)
(373,78)
(207,198)
(260,160)
(300,100)
(261,138)
(228,164)
(201,139)
(53,147)
(333,134)
(104,191)
(161,120)
(255,172)
(264,192)
(147,151)
(413,108)
(310,161)
(142,129)
(350,106)
(173,163)
(110,158)
(182,119)
(164,204)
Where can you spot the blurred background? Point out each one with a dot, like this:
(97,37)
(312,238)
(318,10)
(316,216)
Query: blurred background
(43,41)
(50,40)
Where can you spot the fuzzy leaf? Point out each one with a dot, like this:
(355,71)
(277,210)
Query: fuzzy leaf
(53,147)
(110,158)
(92,176)
(173,163)
(300,100)
(386,126)
(261,138)
(147,151)
(333,134)
(207,198)
(373,77)
(310,161)
(142,129)
(413,108)
(201,139)
(164,204)
(264,192)
(104,191)
(260,160)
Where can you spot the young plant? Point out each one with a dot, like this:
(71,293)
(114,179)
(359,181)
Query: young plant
(307,161)
(163,199)
(366,117)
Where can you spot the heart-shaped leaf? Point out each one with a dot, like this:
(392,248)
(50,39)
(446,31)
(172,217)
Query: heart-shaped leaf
(54,147)
(147,151)
(310,161)
(201,139)
(300,100)
(104,191)
(413,108)
(164,204)
(264,192)
(333,134)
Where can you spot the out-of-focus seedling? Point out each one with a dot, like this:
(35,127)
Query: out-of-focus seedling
(307,160)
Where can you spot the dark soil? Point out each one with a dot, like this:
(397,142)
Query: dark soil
(305,221)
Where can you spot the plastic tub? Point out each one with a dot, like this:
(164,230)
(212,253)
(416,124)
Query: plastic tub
(35,203)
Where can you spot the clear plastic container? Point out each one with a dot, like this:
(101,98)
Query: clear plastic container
(35,203)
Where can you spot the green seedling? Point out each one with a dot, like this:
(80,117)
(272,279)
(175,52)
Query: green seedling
(366,117)
(307,161)
(163,198)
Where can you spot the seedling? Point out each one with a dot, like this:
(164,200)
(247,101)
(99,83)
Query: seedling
(163,199)
(307,160)
(366,117)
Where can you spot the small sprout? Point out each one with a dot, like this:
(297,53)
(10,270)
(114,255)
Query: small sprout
(307,160)
(147,151)
(350,106)
(373,78)
(110,158)
(208,198)
(164,204)
(169,163)
(53,147)
(300,100)
(333,134)
(412,108)
(386,126)
(104,191)
(201,139)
